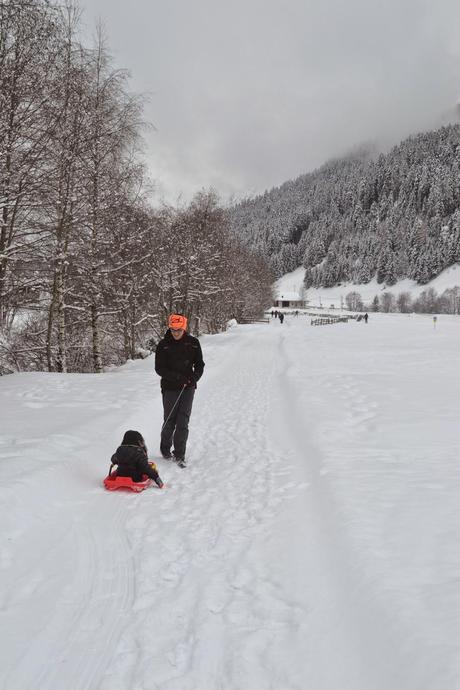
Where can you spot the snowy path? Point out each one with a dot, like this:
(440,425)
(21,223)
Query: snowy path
(309,544)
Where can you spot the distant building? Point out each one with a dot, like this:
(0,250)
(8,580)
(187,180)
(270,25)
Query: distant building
(292,300)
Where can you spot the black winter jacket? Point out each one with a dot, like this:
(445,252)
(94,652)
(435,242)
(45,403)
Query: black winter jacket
(132,462)
(178,362)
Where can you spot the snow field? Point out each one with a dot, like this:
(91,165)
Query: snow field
(293,283)
(311,542)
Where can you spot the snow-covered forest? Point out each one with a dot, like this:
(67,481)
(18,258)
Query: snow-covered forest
(89,269)
(392,216)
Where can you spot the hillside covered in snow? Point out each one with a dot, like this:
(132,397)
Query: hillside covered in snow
(394,216)
(440,295)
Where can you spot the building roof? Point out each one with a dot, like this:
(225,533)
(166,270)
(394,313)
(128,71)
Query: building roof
(289,296)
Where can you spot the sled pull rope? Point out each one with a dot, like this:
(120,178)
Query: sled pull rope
(173,407)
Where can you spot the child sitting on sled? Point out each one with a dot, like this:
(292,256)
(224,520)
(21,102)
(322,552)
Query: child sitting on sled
(131,458)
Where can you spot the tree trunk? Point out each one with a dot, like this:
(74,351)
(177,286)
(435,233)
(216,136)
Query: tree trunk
(61,358)
(97,357)
(133,330)
(4,243)
(49,332)
(126,346)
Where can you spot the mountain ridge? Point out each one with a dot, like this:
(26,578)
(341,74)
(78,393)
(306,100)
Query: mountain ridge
(395,216)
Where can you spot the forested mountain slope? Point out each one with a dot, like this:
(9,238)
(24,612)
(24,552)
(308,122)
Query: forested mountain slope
(395,216)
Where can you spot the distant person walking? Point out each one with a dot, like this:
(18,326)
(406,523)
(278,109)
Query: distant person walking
(179,362)
(366,316)
(281,317)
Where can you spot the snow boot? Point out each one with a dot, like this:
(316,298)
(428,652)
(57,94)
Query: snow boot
(179,460)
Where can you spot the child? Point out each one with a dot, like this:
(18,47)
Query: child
(131,458)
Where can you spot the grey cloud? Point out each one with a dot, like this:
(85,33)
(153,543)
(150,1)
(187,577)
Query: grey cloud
(249,93)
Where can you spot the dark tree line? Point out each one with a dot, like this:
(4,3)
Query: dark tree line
(89,270)
(395,216)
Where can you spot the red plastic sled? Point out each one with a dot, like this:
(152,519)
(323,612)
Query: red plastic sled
(113,482)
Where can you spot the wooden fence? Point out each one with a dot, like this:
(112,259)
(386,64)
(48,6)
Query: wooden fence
(247,321)
(326,321)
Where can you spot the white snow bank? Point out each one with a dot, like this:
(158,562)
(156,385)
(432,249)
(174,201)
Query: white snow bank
(335,296)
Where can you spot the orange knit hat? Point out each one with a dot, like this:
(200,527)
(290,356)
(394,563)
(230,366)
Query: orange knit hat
(177,321)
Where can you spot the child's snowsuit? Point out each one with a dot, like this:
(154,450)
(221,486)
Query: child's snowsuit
(132,462)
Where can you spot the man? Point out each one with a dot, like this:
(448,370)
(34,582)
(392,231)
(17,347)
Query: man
(179,362)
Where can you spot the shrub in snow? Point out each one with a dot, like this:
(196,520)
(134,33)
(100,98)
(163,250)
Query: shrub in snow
(141,353)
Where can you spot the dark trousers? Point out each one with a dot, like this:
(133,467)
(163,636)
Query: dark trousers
(176,428)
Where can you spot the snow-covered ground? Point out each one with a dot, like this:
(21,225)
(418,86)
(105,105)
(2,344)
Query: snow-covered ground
(311,543)
(335,296)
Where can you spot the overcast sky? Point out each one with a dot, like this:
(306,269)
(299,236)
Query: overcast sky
(249,93)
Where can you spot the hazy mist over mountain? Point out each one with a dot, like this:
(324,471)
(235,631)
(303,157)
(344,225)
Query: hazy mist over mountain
(249,94)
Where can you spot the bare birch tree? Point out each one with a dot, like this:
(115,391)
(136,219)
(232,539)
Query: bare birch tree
(29,60)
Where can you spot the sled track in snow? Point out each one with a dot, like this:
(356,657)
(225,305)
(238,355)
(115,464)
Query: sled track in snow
(199,584)
(88,615)
(74,552)
(359,632)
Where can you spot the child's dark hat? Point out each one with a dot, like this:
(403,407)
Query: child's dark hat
(132,438)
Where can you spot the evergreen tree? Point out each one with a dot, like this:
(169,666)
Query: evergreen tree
(391,217)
